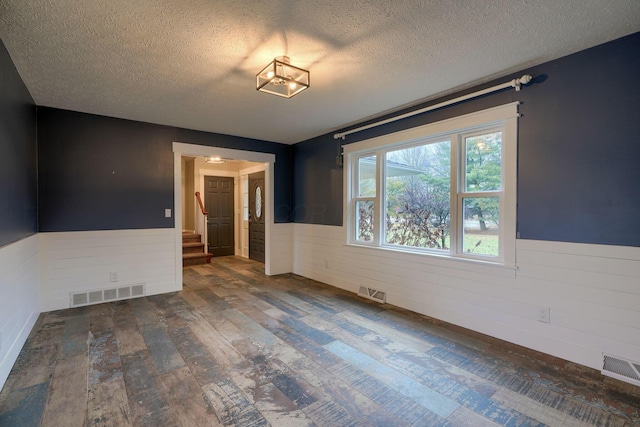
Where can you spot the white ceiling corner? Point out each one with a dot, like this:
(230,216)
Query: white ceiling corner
(192,63)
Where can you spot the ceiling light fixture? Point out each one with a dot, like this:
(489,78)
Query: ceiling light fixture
(282,79)
(215,160)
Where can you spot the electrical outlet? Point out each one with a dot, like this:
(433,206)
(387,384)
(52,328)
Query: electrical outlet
(544,314)
(113,277)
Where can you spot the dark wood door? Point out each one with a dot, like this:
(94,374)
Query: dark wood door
(257,197)
(218,201)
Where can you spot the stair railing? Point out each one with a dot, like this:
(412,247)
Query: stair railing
(204,223)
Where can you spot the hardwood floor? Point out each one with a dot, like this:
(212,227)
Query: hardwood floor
(238,348)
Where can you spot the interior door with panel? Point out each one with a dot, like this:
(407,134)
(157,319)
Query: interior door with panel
(218,202)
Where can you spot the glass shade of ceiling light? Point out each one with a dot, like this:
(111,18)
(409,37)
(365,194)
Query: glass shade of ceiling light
(215,160)
(282,79)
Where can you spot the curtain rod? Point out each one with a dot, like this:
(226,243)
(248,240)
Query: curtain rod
(516,83)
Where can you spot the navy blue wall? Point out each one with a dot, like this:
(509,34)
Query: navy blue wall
(102,173)
(18,157)
(579,149)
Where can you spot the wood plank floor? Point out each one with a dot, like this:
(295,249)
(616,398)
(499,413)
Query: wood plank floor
(238,348)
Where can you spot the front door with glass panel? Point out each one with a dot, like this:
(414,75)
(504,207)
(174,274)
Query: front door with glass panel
(257,198)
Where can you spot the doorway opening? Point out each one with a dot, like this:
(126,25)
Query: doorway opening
(189,162)
(224,194)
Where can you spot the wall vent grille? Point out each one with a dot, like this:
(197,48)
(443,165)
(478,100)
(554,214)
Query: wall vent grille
(95,296)
(110,294)
(373,294)
(137,290)
(77,299)
(621,369)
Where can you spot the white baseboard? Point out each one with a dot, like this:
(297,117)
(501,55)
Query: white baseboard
(13,351)
(19,304)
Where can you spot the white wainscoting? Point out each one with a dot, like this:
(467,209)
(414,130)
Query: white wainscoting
(83,260)
(593,291)
(280,249)
(19,301)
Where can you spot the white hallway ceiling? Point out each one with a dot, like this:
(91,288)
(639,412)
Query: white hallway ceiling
(192,63)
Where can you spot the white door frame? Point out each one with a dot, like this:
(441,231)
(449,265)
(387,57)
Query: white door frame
(183,149)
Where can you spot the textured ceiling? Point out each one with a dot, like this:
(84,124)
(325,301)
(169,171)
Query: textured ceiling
(192,63)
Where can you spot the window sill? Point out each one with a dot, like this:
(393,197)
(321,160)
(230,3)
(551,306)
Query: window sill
(444,257)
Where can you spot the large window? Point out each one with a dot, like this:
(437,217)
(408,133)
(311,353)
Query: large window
(444,189)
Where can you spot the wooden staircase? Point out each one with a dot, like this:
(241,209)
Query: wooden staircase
(193,250)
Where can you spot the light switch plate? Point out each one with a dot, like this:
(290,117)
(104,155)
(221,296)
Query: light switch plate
(167,213)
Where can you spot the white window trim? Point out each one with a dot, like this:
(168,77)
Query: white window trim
(504,116)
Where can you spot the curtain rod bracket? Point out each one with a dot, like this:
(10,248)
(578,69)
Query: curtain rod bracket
(521,81)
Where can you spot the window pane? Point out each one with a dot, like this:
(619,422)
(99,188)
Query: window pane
(417,196)
(367,176)
(483,162)
(364,221)
(258,202)
(245,206)
(480,226)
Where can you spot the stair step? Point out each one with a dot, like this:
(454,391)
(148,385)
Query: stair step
(190,237)
(195,259)
(192,247)
(190,251)
(193,250)
(198,255)
(192,244)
